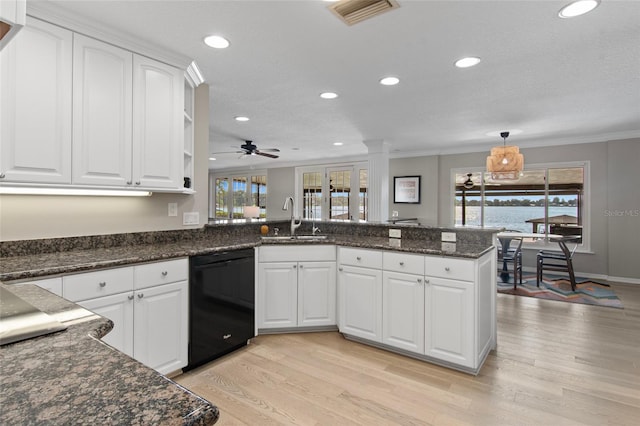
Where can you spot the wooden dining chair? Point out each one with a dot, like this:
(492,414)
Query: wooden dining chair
(557,262)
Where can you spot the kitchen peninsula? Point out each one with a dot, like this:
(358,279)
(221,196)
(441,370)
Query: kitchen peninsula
(29,261)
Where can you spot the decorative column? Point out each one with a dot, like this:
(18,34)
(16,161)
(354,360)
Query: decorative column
(378,180)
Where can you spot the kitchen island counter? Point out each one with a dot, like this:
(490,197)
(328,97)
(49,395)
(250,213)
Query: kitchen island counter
(71,377)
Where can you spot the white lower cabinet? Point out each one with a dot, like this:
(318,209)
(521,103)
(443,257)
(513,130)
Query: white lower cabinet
(360,302)
(403,316)
(148,305)
(449,320)
(295,291)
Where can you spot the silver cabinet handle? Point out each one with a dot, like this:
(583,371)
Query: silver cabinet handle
(128,182)
(102,284)
(401,263)
(358,258)
(130,297)
(140,295)
(426,281)
(295,266)
(340,269)
(164,273)
(446,268)
(419,280)
(2,176)
(226,336)
(301,266)
(138,183)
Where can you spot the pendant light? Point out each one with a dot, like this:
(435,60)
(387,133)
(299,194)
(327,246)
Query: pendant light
(505,162)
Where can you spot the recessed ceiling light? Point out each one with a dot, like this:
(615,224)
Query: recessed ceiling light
(578,8)
(328,95)
(467,62)
(217,42)
(241,118)
(338,143)
(212,158)
(390,81)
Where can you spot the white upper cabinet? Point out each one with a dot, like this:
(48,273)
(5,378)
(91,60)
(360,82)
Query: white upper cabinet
(158,125)
(35,93)
(102,113)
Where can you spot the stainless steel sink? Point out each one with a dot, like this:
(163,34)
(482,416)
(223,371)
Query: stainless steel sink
(297,237)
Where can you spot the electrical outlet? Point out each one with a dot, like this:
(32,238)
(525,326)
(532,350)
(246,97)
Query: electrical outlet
(173,209)
(450,247)
(191,218)
(449,237)
(395,233)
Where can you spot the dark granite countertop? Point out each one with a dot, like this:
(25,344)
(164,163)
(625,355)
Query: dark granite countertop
(72,377)
(65,262)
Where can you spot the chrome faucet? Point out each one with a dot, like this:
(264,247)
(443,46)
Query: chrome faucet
(295,223)
(314,228)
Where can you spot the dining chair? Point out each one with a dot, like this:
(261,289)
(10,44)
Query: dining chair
(557,262)
(510,254)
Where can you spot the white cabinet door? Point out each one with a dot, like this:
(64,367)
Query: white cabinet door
(119,309)
(35,96)
(316,293)
(449,320)
(360,302)
(161,326)
(102,91)
(277,295)
(403,311)
(158,124)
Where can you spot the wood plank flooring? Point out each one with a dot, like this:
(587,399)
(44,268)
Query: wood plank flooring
(556,364)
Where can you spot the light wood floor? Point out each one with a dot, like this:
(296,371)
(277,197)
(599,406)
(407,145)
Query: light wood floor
(556,364)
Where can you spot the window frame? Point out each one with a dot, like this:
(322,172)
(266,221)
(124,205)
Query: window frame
(543,243)
(248,200)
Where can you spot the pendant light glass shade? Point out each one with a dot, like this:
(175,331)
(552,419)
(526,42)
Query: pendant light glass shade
(505,162)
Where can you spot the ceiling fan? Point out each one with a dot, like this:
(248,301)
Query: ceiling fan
(248,148)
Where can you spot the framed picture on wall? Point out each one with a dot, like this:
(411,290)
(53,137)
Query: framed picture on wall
(406,189)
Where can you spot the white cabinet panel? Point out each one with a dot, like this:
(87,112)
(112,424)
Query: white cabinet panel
(158,124)
(403,262)
(449,320)
(360,294)
(102,126)
(277,295)
(161,333)
(316,293)
(97,284)
(360,257)
(403,311)
(35,86)
(449,267)
(159,273)
(119,309)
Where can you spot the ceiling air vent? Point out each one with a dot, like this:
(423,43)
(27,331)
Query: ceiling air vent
(354,11)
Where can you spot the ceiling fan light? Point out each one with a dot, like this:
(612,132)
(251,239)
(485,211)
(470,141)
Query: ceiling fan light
(389,81)
(241,118)
(328,95)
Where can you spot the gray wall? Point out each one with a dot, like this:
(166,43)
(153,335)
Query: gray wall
(38,216)
(427,167)
(280,184)
(622,210)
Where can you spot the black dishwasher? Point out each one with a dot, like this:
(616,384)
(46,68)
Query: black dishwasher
(221,304)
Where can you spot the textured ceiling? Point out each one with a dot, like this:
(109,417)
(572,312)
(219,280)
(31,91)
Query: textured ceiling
(558,80)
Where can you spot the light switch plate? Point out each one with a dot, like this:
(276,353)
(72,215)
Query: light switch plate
(173,209)
(395,233)
(190,218)
(449,237)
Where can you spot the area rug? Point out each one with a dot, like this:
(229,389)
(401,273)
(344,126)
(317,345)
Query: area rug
(557,288)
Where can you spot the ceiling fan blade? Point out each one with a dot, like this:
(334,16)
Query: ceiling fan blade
(229,152)
(264,154)
(270,150)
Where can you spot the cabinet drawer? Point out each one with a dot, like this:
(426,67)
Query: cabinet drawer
(54,285)
(403,262)
(297,253)
(97,284)
(449,267)
(158,273)
(360,257)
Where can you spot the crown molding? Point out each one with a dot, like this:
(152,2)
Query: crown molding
(56,15)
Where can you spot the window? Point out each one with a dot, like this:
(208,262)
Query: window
(548,199)
(327,192)
(233,192)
